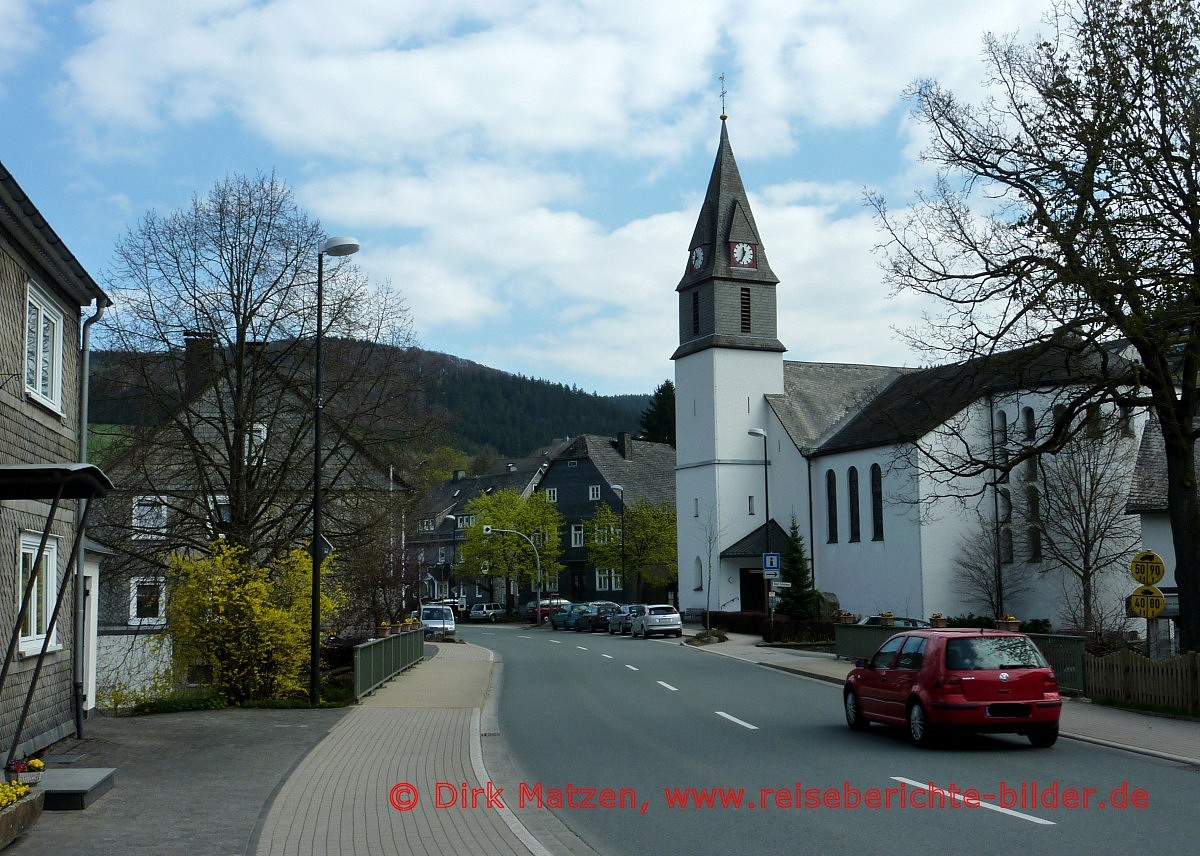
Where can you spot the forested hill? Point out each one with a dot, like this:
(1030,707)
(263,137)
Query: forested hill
(489,410)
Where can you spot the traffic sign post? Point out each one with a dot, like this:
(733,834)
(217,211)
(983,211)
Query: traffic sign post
(1148,568)
(1147,602)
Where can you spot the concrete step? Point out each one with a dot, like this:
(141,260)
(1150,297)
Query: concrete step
(75,789)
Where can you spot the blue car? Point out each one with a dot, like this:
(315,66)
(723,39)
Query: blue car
(564,619)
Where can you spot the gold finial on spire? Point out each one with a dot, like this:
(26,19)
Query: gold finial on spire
(724,92)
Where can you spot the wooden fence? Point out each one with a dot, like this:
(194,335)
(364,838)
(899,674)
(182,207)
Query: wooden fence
(1128,678)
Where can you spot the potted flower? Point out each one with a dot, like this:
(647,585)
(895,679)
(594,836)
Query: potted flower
(26,770)
(938,620)
(886,619)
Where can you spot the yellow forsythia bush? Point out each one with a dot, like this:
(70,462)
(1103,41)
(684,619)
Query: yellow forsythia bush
(248,625)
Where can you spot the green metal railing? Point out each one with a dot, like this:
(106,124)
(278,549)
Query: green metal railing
(378,660)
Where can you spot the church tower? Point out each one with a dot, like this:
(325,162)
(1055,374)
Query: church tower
(729,358)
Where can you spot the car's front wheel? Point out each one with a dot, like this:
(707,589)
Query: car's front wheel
(920,731)
(854,717)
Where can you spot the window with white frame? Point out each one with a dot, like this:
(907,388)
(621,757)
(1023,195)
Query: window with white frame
(576,534)
(256,439)
(551,494)
(550,585)
(427,525)
(149,517)
(43,348)
(220,514)
(147,600)
(593,492)
(464,521)
(608,579)
(41,597)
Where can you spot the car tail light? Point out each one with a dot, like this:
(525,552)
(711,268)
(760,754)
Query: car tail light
(950,684)
(1051,685)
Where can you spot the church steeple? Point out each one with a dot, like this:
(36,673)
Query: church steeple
(727,293)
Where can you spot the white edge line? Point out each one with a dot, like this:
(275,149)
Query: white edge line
(581,648)
(520,636)
(668,686)
(555,641)
(981,803)
(607,656)
(740,722)
(633,668)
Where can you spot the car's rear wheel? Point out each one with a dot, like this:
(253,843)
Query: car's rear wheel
(920,731)
(1044,736)
(854,717)
(678,634)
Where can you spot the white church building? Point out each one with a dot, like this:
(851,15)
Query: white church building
(840,449)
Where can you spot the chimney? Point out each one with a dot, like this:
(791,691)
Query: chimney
(459,475)
(197,360)
(625,445)
(512,468)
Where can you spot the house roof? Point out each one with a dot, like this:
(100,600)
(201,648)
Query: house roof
(1148,492)
(29,229)
(647,474)
(916,402)
(755,543)
(817,397)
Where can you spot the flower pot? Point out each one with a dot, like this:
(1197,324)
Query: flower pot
(19,818)
(939,622)
(887,621)
(29,777)
(1005,624)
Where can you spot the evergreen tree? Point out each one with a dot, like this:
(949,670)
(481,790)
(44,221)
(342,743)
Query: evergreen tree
(658,419)
(799,601)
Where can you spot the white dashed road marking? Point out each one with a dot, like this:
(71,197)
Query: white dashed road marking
(668,686)
(734,719)
(981,804)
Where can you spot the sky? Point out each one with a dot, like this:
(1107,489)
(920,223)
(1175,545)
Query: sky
(527,173)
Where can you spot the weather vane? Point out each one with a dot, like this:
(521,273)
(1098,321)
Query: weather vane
(724,92)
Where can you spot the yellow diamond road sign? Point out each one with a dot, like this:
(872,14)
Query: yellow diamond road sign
(1147,568)
(1147,602)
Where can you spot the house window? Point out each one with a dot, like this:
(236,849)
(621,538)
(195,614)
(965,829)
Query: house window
(1030,426)
(852,498)
(695,506)
(441,555)
(745,310)
(593,492)
(41,596)
(608,579)
(1001,428)
(147,600)
(1031,467)
(1035,544)
(1005,506)
(149,517)
(551,494)
(876,502)
(550,585)
(576,534)
(464,521)
(43,348)
(256,439)
(750,504)
(1006,546)
(695,313)
(221,514)
(427,525)
(831,506)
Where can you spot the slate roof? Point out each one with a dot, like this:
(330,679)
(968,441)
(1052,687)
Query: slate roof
(755,543)
(1148,492)
(916,402)
(817,397)
(647,475)
(525,473)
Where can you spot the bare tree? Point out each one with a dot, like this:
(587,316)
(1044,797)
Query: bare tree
(1065,213)
(1081,511)
(986,575)
(213,332)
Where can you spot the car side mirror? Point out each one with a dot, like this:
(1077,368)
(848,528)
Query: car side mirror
(861,663)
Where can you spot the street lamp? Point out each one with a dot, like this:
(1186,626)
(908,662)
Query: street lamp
(537,560)
(341,246)
(762,432)
(621,490)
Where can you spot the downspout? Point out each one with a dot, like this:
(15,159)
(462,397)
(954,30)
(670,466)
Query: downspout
(812,553)
(996,508)
(77,651)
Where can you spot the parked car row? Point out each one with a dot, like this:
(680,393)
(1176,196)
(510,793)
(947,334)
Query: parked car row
(638,620)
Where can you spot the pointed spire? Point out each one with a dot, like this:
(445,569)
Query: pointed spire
(725,217)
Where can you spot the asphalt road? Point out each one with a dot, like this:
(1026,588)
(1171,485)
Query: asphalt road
(645,719)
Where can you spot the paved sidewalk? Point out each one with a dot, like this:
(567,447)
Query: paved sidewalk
(1148,734)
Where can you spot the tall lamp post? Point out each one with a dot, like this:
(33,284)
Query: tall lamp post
(537,561)
(341,246)
(621,490)
(762,432)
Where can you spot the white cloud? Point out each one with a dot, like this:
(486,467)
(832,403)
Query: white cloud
(20,34)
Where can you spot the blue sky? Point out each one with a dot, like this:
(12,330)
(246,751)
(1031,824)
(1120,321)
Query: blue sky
(527,173)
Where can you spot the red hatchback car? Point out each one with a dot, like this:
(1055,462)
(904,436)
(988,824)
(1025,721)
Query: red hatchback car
(934,681)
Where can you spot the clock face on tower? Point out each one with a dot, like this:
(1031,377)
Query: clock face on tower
(698,258)
(743,254)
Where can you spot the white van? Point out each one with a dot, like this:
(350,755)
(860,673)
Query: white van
(436,618)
